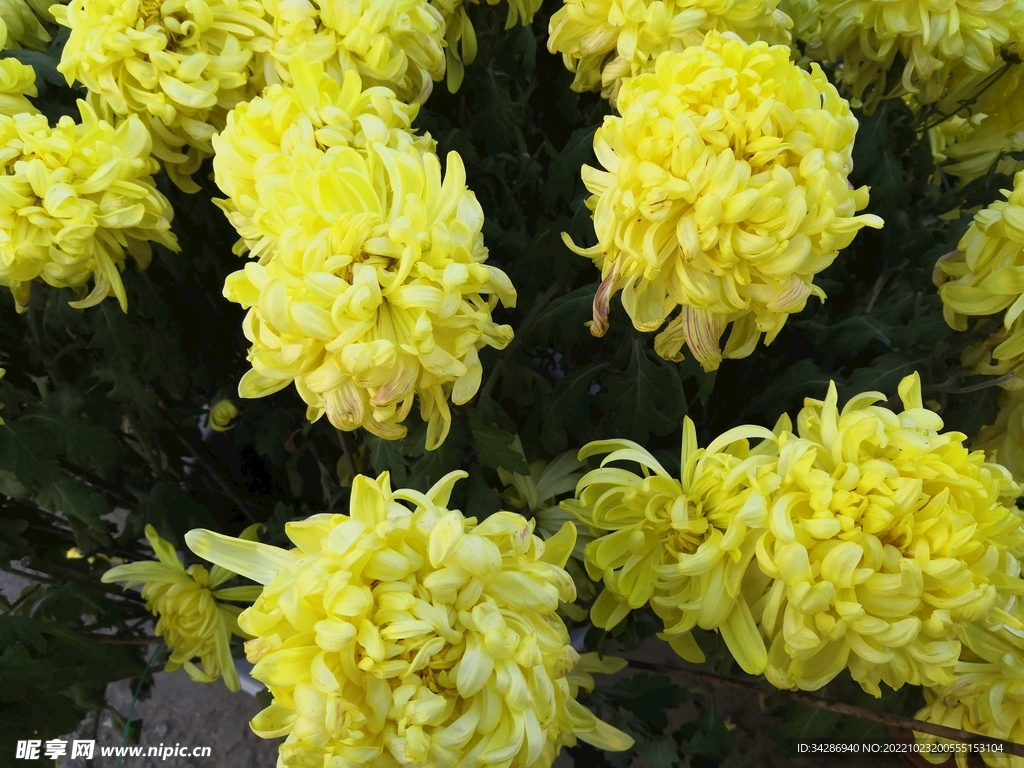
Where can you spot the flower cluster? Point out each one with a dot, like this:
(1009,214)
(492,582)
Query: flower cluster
(371,286)
(1003,441)
(987,129)
(724,193)
(17,81)
(179,65)
(865,540)
(394,43)
(460,37)
(192,619)
(21,24)
(982,279)
(683,545)
(604,41)
(405,633)
(936,41)
(76,197)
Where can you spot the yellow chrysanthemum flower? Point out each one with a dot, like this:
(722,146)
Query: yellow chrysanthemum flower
(934,41)
(222,414)
(17,81)
(684,546)
(460,37)
(74,199)
(20,24)
(378,292)
(313,115)
(983,278)
(806,17)
(394,43)
(725,193)
(884,534)
(986,130)
(1003,441)
(179,65)
(604,41)
(396,636)
(192,620)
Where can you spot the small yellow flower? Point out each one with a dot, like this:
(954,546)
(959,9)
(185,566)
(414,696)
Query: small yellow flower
(460,37)
(179,65)
(74,198)
(313,114)
(192,620)
(725,193)
(982,279)
(604,41)
(934,41)
(413,636)
(684,546)
(394,43)
(21,25)
(17,81)
(987,130)
(222,414)
(884,536)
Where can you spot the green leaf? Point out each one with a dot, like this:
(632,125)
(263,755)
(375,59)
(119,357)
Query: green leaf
(804,379)
(568,404)
(647,397)
(78,502)
(494,446)
(649,697)
(884,373)
(564,170)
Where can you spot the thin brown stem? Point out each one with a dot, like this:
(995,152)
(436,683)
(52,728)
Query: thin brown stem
(70,574)
(711,680)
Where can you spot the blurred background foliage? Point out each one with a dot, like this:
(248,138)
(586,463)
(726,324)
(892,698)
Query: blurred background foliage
(105,413)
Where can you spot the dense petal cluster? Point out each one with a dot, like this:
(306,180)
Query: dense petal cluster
(371,286)
(683,545)
(1003,441)
(394,43)
(984,277)
(987,696)
(806,17)
(75,199)
(179,65)
(986,124)
(934,40)
(884,536)
(308,117)
(17,81)
(724,193)
(604,41)
(413,636)
(21,24)
(192,620)
(460,37)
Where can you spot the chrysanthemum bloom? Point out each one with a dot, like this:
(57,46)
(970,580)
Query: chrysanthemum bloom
(1003,441)
(74,200)
(394,43)
(310,116)
(180,66)
(192,619)
(20,25)
(884,535)
(981,279)
(17,81)
(986,130)
(725,193)
(604,41)
(396,636)
(933,39)
(222,414)
(460,37)
(378,292)
(806,17)
(684,546)
(987,696)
